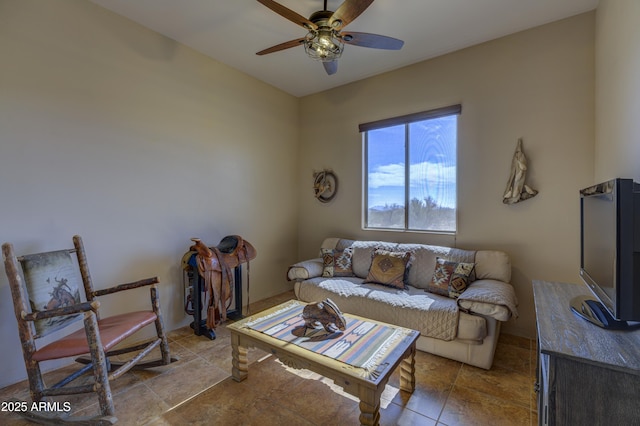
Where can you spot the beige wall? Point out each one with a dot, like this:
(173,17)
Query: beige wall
(617,142)
(536,84)
(137,143)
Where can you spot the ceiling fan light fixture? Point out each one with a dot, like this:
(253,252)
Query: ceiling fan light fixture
(322,45)
(324,41)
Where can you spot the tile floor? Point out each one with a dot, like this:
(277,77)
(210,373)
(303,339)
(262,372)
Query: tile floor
(198,390)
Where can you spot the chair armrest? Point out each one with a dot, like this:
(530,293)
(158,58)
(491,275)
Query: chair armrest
(304,270)
(60,312)
(126,286)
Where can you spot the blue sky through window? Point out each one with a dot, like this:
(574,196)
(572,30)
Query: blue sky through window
(386,171)
(432,172)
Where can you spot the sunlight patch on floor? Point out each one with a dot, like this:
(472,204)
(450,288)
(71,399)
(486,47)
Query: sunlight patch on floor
(389,392)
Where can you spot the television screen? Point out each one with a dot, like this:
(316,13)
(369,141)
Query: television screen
(599,242)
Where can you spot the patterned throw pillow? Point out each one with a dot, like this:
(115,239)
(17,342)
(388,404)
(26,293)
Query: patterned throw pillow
(337,263)
(389,268)
(450,278)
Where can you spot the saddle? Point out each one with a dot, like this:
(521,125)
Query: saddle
(215,265)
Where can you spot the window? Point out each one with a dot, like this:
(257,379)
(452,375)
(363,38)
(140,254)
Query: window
(409,168)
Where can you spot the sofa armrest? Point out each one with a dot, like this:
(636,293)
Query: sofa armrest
(304,270)
(494,298)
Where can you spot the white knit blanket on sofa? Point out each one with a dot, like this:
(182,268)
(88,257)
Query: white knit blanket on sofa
(434,316)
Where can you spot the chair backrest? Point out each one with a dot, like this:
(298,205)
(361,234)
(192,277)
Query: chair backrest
(52,280)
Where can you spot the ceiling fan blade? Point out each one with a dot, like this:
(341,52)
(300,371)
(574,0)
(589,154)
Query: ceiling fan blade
(375,41)
(281,46)
(289,14)
(347,12)
(330,67)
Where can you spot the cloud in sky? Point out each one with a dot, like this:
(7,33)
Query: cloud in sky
(387,175)
(393,174)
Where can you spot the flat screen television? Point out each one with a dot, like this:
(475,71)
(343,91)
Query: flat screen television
(610,253)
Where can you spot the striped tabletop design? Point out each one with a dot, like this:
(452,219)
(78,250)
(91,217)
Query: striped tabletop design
(362,344)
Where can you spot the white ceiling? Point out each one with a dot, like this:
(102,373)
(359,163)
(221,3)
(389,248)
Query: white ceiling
(231,31)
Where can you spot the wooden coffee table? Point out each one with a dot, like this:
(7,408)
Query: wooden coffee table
(356,381)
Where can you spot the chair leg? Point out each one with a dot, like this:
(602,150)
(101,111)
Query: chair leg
(36,383)
(164,344)
(100,369)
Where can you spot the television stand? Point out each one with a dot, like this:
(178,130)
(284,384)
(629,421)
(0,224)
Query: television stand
(586,375)
(594,311)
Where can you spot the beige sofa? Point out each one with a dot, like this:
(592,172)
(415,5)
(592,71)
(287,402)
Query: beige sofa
(465,329)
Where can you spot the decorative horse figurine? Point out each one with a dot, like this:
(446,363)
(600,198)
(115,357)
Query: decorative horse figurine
(325,313)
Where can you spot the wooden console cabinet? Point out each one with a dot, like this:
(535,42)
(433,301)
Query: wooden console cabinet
(586,375)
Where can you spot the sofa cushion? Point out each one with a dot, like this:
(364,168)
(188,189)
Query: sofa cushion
(388,268)
(423,262)
(337,263)
(493,265)
(363,255)
(450,278)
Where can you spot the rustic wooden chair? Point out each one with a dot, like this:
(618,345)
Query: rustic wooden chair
(49,300)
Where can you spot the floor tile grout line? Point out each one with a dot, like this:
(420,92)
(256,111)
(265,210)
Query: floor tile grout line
(446,400)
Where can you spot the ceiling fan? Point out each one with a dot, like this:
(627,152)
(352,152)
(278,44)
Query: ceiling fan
(325,40)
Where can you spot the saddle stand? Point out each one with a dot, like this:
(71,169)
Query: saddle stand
(214,275)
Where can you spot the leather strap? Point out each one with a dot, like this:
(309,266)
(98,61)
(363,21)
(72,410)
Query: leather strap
(246,259)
